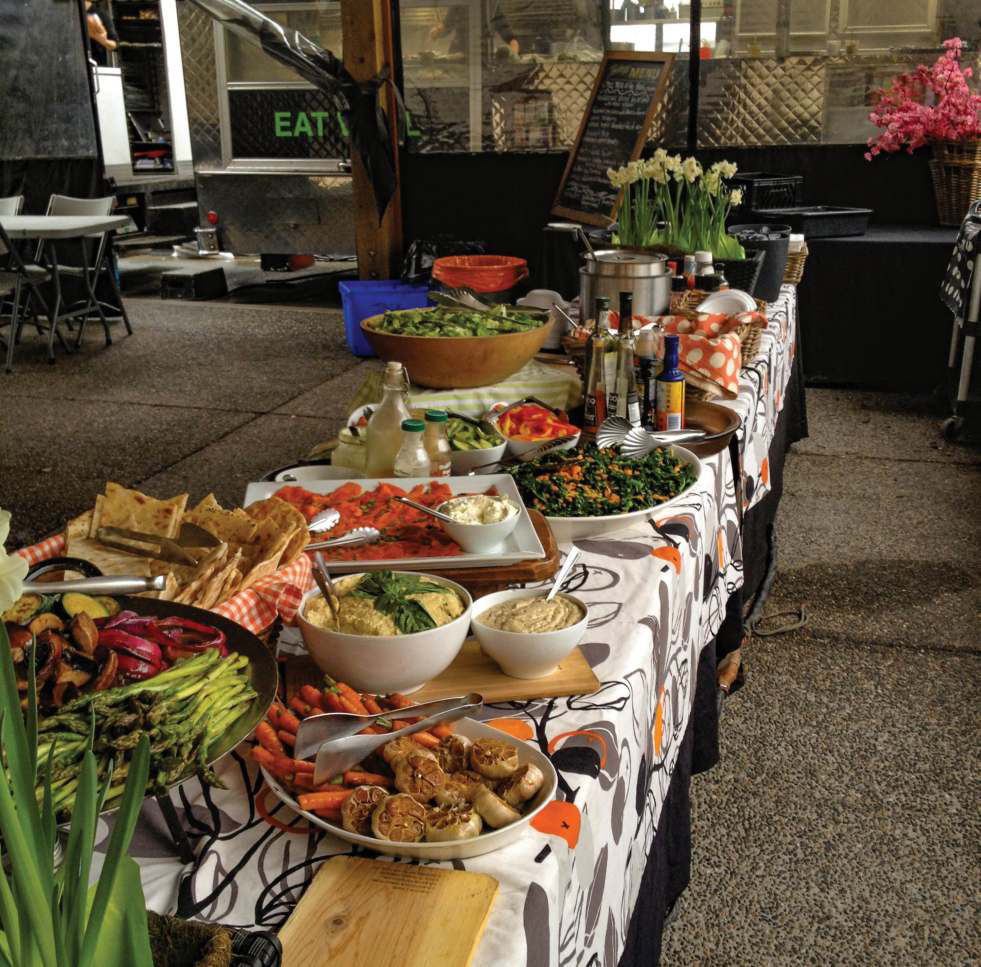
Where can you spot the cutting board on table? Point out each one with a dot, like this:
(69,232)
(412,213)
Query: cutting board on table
(368,913)
(473,671)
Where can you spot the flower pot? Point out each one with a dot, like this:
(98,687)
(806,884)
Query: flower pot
(188,943)
(774,242)
(956,171)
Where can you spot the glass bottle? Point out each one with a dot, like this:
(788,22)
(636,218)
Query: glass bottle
(627,398)
(412,459)
(600,345)
(670,407)
(385,425)
(438,443)
(649,360)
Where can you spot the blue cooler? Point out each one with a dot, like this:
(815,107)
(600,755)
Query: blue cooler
(363,298)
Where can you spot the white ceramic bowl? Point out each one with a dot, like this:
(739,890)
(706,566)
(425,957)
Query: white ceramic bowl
(480,538)
(486,842)
(728,302)
(463,461)
(381,664)
(526,655)
(569,529)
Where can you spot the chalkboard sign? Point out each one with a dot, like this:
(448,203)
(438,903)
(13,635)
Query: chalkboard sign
(627,91)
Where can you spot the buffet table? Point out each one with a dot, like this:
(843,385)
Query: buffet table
(658,597)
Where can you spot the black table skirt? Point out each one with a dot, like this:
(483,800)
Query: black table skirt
(669,863)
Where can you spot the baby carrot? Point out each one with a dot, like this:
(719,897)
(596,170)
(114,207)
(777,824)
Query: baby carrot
(288,721)
(331,814)
(275,764)
(267,737)
(441,730)
(311,696)
(371,704)
(353,697)
(425,738)
(332,700)
(323,800)
(398,700)
(287,738)
(303,709)
(366,779)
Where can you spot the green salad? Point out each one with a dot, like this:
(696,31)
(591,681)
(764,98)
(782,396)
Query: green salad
(590,482)
(454,323)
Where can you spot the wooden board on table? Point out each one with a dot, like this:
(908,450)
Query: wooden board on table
(473,671)
(364,913)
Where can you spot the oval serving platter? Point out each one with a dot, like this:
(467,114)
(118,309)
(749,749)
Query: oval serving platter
(462,849)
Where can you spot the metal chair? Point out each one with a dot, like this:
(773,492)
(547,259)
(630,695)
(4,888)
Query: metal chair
(13,273)
(89,272)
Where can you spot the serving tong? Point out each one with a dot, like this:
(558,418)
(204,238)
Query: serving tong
(355,537)
(176,549)
(635,441)
(333,736)
(103,584)
(525,457)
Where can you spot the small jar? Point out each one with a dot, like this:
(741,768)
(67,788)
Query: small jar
(438,443)
(412,459)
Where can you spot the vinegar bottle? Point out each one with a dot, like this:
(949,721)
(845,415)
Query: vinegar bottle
(385,425)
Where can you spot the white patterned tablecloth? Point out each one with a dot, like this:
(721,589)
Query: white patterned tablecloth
(657,596)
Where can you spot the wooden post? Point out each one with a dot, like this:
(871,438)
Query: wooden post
(367,34)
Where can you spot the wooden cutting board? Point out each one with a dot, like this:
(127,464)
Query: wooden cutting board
(473,671)
(366,913)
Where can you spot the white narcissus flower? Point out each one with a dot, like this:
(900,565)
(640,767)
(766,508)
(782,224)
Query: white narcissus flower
(672,164)
(654,169)
(712,181)
(617,176)
(727,169)
(736,196)
(13,568)
(635,171)
(691,169)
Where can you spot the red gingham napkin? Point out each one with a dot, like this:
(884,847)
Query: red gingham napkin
(255,608)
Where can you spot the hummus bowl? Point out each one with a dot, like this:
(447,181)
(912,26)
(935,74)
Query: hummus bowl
(527,654)
(386,663)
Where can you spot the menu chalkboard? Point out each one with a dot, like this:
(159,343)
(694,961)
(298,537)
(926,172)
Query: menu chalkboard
(627,91)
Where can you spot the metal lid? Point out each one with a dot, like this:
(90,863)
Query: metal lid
(622,263)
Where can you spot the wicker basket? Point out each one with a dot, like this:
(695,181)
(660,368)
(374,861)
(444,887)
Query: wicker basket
(794,270)
(956,170)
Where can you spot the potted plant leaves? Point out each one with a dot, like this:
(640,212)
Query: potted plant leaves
(50,915)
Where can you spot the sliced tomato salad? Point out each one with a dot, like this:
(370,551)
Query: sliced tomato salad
(530,423)
(405,532)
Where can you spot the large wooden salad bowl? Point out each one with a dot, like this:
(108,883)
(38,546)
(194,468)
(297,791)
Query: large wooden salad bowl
(441,362)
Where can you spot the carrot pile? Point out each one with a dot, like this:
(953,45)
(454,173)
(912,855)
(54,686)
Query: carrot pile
(276,738)
(405,532)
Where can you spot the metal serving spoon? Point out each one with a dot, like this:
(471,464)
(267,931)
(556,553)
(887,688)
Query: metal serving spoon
(439,515)
(564,571)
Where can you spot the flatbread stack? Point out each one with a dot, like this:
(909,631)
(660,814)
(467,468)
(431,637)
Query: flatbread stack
(254,542)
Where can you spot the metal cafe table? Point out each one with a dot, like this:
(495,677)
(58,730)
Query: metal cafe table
(51,230)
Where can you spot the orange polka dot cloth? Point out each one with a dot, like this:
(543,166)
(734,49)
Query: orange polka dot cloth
(709,350)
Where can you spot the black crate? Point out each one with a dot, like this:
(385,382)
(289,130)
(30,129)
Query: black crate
(761,190)
(183,284)
(819,221)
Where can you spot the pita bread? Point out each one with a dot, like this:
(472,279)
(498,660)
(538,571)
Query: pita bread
(289,520)
(227,525)
(137,512)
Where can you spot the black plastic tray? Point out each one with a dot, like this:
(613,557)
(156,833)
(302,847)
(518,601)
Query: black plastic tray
(819,221)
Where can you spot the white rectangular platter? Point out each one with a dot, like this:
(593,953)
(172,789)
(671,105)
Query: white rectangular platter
(521,545)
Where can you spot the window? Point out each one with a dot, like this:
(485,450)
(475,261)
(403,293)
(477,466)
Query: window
(270,117)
